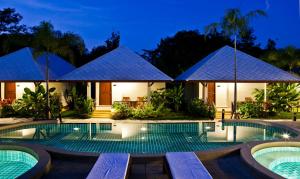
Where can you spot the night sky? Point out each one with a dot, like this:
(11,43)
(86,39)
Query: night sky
(143,23)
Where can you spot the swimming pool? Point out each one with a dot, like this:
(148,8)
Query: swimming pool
(284,161)
(14,163)
(139,138)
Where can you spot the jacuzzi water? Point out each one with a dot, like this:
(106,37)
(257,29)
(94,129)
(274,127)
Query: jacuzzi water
(284,161)
(151,138)
(14,163)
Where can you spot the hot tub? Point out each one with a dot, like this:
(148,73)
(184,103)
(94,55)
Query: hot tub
(23,161)
(282,160)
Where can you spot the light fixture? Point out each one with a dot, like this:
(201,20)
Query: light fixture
(207,127)
(286,136)
(76,129)
(143,129)
(143,138)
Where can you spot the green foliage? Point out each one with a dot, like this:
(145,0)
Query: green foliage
(168,98)
(281,96)
(9,21)
(7,111)
(174,97)
(81,106)
(250,109)
(199,108)
(84,107)
(34,104)
(122,111)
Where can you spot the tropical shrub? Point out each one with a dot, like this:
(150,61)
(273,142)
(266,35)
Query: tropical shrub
(281,96)
(7,111)
(174,97)
(34,103)
(83,107)
(168,98)
(148,111)
(250,109)
(122,111)
(197,107)
(158,98)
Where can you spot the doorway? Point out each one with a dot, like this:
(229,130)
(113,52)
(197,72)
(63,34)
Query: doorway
(105,93)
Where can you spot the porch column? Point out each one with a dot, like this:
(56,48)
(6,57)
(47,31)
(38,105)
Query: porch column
(149,84)
(97,86)
(2,90)
(204,92)
(265,92)
(88,90)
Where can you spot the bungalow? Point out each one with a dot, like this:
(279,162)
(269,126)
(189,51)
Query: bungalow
(212,78)
(20,69)
(120,75)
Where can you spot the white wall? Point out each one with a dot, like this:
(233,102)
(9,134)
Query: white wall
(132,90)
(20,88)
(227,92)
(243,90)
(59,88)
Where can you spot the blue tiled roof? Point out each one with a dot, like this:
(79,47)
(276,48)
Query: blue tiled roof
(219,66)
(22,66)
(120,64)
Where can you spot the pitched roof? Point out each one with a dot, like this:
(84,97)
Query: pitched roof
(22,66)
(120,64)
(219,66)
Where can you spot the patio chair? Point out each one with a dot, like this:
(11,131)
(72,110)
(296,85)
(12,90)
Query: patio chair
(126,100)
(110,165)
(186,165)
(140,101)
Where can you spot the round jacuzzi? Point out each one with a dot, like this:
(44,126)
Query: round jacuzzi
(284,161)
(279,159)
(19,161)
(14,163)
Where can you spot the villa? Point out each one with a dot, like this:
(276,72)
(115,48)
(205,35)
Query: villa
(212,78)
(21,69)
(118,76)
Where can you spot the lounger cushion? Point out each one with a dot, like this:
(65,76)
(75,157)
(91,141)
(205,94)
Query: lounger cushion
(110,165)
(186,165)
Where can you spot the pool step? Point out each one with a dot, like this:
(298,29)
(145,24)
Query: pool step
(219,114)
(102,114)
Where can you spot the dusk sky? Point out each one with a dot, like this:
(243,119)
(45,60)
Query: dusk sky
(143,23)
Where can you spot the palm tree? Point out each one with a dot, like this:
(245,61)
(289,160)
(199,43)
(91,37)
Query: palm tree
(46,40)
(234,24)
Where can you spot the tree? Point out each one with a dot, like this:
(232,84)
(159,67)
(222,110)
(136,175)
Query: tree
(271,45)
(235,24)
(287,58)
(110,44)
(46,40)
(9,22)
(173,55)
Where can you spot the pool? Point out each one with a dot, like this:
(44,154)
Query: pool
(284,161)
(140,138)
(14,163)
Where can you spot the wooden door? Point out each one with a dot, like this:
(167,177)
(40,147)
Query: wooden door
(10,90)
(105,93)
(211,93)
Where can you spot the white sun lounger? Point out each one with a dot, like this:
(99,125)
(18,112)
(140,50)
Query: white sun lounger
(110,165)
(186,165)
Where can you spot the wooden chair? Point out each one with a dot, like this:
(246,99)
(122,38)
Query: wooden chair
(126,100)
(140,101)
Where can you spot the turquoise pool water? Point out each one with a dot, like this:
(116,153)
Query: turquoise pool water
(284,161)
(142,137)
(14,163)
